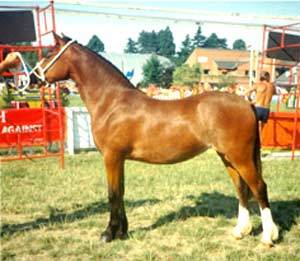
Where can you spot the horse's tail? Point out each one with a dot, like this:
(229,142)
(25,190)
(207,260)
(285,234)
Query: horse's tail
(257,145)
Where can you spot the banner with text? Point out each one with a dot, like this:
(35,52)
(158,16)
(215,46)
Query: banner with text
(32,126)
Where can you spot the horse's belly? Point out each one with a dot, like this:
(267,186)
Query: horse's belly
(166,152)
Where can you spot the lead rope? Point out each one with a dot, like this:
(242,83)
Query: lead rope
(26,73)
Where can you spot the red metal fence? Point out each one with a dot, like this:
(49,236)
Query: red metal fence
(34,126)
(279,131)
(282,129)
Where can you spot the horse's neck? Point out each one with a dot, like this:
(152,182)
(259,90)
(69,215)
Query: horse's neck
(97,81)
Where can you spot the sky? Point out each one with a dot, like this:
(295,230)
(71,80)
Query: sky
(114,32)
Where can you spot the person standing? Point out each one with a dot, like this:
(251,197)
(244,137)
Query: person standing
(264,91)
(11,61)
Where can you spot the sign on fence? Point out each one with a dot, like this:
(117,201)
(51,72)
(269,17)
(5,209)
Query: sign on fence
(26,126)
(279,131)
(79,129)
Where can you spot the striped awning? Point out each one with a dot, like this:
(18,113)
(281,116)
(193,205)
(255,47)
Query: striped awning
(228,64)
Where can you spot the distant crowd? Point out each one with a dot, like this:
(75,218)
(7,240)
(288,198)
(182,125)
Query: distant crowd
(185,91)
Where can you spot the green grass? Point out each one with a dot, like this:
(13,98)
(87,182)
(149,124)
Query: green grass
(176,212)
(282,107)
(75,101)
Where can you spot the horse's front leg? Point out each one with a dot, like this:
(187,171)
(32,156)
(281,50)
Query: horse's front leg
(118,226)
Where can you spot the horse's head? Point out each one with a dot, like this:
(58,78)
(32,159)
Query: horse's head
(55,65)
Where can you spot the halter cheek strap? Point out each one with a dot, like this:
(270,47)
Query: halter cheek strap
(42,70)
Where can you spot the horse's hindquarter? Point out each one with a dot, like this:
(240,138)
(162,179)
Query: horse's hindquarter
(230,121)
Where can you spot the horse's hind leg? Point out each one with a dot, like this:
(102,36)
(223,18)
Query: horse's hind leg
(252,176)
(243,226)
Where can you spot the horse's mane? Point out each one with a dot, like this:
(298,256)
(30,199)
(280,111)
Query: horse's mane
(107,63)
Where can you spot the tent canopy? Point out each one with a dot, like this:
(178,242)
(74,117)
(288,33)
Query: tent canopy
(287,53)
(228,64)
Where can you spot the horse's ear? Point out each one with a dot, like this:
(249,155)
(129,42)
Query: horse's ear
(66,38)
(58,39)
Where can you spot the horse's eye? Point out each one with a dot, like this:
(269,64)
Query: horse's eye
(48,55)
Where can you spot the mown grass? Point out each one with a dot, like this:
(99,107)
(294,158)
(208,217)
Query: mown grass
(75,101)
(176,212)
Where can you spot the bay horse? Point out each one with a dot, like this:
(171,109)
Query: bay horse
(127,124)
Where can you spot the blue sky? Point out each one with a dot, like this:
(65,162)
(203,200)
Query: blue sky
(115,32)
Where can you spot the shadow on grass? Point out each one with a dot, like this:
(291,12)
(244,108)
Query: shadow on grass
(285,213)
(59,217)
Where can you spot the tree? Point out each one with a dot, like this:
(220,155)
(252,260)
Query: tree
(6,97)
(95,44)
(213,41)
(186,75)
(166,45)
(161,43)
(199,39)
(239,44)
(167,77)
(153,71)
(226,80)
(131,47)
(185,50)
(147,42)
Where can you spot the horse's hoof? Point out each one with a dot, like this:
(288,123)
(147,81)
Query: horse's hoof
(238,233)
(105,238)
(268,238)
(124,236)
(266,245)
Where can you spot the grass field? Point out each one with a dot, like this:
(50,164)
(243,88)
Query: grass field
(176,212)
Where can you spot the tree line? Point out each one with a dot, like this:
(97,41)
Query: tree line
(162,43)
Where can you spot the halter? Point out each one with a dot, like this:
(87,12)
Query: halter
(42,71)
(38,66)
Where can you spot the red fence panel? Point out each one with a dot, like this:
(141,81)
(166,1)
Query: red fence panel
(29,127)
(279,131)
